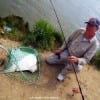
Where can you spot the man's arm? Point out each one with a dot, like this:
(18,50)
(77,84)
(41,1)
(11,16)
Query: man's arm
(88,55)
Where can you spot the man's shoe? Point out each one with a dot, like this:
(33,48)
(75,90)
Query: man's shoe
(60,77)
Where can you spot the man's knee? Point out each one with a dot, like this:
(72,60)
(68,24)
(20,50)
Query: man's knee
(51,60)
(48,61)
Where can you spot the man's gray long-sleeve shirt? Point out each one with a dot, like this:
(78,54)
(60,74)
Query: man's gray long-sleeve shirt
(80,47)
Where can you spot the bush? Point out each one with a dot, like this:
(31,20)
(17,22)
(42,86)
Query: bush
(14,22)
(44,36)
(18,28)
(96,60)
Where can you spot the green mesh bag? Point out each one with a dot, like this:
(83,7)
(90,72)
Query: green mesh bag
(19,64)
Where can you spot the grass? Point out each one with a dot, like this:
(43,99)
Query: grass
(96,60)
(18,28)
(44,36)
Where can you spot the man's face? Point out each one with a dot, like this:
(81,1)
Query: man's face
(90,31)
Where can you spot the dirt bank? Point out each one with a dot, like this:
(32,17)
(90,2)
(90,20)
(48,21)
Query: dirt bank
(47,88)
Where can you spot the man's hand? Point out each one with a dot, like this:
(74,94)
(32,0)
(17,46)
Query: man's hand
(73,59)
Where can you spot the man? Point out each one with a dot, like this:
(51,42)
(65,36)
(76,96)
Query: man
(79,49)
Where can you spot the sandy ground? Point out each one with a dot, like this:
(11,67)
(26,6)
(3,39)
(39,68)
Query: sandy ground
(47,87)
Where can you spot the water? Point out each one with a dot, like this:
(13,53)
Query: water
(72,13)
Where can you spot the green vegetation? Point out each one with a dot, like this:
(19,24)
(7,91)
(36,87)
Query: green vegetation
(13,21)
(13,27)
(96,60)
(44,36)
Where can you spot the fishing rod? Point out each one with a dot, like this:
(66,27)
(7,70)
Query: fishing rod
(73,65)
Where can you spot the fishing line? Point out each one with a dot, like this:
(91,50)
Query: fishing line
(66,45)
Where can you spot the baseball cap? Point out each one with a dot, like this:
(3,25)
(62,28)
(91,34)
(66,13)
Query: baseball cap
(93,22)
